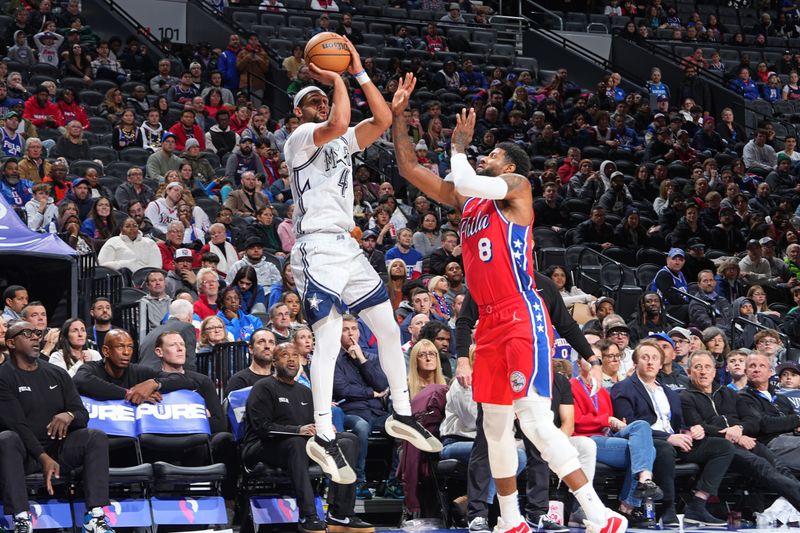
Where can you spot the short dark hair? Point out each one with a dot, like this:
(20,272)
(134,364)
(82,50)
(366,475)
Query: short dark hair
(431,329)
(100,299)
(517,156)
(11,291)
(210,257)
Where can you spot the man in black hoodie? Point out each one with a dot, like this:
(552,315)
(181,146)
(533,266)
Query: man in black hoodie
(713,407)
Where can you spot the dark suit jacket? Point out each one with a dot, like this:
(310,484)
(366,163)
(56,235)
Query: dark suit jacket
(632,402)
(147,349)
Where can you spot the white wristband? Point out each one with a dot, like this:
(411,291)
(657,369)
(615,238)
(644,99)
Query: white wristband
(362,77)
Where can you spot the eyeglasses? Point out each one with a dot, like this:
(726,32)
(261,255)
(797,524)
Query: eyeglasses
(618,334)
(214,328)
(612,357)
(427,355)
(29,333)
(768,341)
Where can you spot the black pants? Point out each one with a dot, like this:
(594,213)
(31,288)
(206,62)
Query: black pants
(766,474)
(87,448)
(537,491)
(290,453)
(713,454)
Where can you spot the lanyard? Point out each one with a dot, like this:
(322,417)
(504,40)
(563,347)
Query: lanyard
(589,394)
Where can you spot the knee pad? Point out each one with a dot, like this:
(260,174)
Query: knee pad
(536,421)
(498,426)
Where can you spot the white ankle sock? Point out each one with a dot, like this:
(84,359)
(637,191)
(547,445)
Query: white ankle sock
(97,512)
(23,514)
(591,504)
(509,508)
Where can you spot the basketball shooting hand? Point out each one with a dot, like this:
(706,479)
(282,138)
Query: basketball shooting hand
(355,59)
(323,76)
(405,86)
(462,135)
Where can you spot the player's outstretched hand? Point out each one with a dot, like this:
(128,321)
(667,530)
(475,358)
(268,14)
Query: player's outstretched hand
(323,76)
(465,127)
(355,59)
(405,86)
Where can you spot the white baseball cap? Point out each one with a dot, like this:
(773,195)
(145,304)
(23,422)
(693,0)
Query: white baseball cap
(303,92)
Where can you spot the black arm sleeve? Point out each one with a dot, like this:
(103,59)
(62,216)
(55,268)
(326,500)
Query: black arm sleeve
(464,323)
(559,316)
(90,381)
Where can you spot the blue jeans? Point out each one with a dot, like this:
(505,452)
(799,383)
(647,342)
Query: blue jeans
(461,450)
(362,428)
(632,449)
(337,418)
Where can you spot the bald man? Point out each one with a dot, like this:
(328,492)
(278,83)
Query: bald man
(46,432)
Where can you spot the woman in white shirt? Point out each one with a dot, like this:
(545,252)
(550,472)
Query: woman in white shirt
(571,295)
(71,350)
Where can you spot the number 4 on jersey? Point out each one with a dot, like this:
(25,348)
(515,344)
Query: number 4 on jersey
(343,182)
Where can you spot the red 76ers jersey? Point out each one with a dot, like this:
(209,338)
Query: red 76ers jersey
(498,254)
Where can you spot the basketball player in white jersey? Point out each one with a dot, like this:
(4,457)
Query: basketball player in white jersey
(330,271)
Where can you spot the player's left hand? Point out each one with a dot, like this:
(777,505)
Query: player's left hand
(355,59)
(405,86)
(465,127)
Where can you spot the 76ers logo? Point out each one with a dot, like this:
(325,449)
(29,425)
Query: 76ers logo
(517,380)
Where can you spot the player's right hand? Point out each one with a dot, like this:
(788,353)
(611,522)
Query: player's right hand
(462,134)
(324,76)
(464,372)
(405,86)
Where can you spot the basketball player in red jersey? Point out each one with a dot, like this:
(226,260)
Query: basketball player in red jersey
(514,340)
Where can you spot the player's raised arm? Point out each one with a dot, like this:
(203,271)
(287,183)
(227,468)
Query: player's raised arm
(432,185)
(339,113)
(467,182)
(369,130)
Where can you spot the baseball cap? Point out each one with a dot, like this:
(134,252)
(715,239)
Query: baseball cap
(788,365)
(174,185)
(663,98)
(659,115)
(183,253)
(617,326)
(81,181)
(696,242)
(166,135)
(674,252)
(681,332)
(303,92)
(246,136)
(369,234)
(253,241)
(766,241)
(752,243)
(662,336)
(11,114)
(604,299)
(454,5)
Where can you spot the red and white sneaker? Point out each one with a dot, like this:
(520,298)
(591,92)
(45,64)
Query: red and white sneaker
(520,527)
(615,523)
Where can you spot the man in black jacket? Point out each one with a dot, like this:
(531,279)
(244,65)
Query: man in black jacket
(374,256)
(595,231)
(764,414)
(44,422)
(280,418)
(538,473)
(713,407)
(448,252)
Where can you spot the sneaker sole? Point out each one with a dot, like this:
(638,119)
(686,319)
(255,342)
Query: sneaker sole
(401,431)
(343,476)
(336,528)
(696,522)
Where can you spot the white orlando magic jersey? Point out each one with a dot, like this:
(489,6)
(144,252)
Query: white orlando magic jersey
(322,181)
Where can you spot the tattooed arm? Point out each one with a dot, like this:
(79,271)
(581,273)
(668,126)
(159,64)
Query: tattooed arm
(432,185)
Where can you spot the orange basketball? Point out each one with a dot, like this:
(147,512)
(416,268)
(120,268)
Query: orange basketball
(328,51)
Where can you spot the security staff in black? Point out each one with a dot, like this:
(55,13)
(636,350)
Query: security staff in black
(280,419)
(43,428)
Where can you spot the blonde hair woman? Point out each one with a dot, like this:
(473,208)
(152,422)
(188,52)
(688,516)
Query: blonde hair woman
(438,287)
(212,332)
(425,368)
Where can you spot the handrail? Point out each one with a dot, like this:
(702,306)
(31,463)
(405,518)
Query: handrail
(544,10)
(743,321)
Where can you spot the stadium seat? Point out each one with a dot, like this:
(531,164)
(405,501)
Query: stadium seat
(245,19)
(79,167)
(106,154)
(100,125)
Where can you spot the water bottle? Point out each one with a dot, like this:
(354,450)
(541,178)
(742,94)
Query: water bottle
(51,228)
(649,510)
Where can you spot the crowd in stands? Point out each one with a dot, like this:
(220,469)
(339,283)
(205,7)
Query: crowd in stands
(199,205)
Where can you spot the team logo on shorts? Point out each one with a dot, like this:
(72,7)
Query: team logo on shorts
(517,380)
